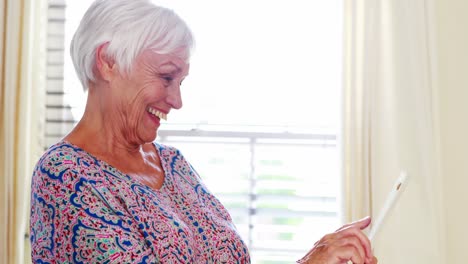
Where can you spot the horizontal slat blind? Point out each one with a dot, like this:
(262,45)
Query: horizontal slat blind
(59,120)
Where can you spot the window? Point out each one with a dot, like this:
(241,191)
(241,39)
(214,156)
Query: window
(261,112)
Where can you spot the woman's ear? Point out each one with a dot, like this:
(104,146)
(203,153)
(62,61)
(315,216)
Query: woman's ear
(105,65)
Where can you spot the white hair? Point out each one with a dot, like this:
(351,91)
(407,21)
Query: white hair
(129,27)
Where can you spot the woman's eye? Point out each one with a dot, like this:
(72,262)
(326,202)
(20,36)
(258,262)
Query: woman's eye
(167,78)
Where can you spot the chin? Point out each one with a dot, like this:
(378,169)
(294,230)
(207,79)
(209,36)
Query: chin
(147,138)
(152,137)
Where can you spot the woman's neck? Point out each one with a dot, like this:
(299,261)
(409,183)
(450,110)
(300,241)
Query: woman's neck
(101,129)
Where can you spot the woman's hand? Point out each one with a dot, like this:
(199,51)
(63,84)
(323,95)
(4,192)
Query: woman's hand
(348,243)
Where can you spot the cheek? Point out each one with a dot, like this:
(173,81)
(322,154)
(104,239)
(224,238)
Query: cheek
(140,94)
(139,105)
(154,92)
(134,104)
(146,91)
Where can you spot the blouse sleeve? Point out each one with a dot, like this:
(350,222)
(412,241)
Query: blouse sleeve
(72,220)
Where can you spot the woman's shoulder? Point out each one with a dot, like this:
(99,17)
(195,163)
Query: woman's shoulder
(61,157)
(62,151)
(169,153)
(166,149)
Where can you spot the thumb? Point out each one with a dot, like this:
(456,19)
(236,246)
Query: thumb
(363,223)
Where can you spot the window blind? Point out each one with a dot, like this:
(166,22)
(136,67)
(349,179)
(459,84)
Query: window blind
(59,120)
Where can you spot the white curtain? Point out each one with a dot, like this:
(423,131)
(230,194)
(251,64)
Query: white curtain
(22,78)
(391,124)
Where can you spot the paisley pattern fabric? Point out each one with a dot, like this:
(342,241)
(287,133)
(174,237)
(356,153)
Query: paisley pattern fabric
(85,211)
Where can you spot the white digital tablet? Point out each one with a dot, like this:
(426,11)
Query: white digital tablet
(392,198)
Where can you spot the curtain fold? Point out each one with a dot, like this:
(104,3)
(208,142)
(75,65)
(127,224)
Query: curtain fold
(357,114)
(391,124)
(22,78)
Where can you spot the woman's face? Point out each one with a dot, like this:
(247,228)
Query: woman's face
(148,93)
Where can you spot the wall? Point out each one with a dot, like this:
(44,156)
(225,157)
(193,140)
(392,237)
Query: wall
(452,48)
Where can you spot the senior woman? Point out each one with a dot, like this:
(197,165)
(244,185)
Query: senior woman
(107,193)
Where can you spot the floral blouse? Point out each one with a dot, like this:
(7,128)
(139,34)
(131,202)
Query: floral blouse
(85,211)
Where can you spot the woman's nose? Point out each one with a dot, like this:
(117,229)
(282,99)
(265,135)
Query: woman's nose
(174,98)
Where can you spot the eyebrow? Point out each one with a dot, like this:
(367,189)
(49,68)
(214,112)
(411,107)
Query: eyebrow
(170,63)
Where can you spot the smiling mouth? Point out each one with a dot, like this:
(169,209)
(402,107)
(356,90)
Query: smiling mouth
(157,113)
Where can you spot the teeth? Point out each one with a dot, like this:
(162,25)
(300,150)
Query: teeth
(157,113)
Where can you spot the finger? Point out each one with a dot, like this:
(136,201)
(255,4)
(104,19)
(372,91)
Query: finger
(354,242)
(374,260)
(348,253)
(364,240)
(361,223)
